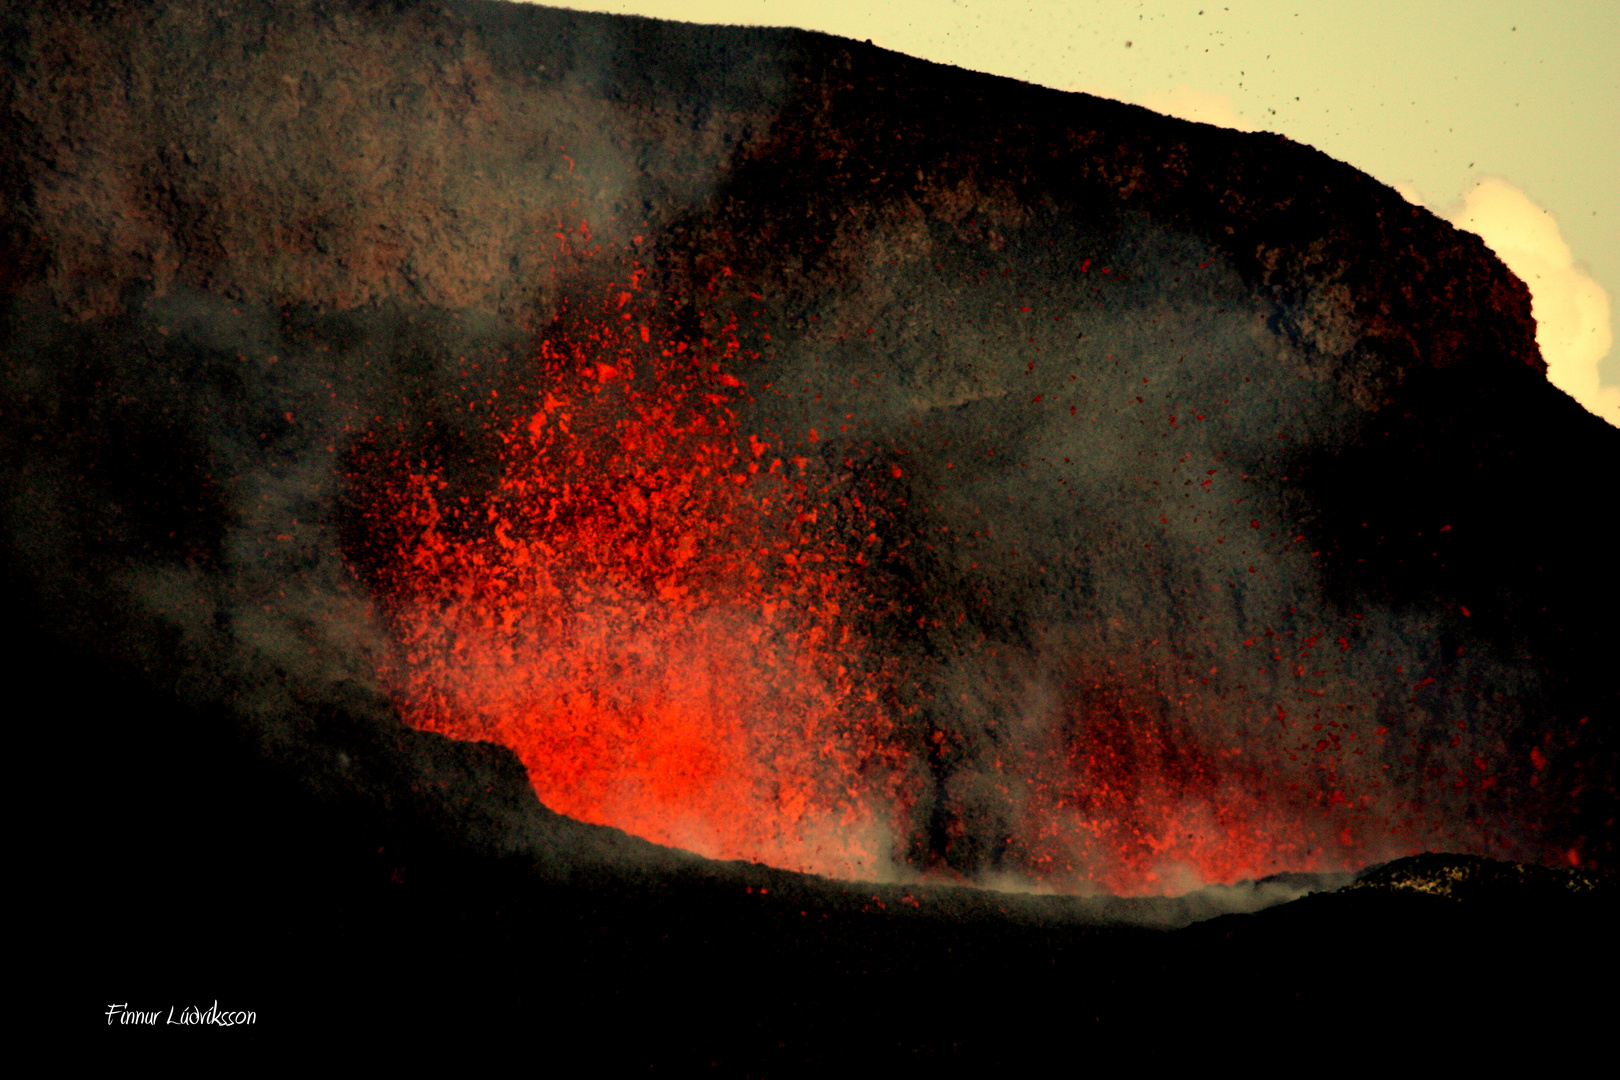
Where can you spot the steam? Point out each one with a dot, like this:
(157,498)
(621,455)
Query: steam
(1121,588)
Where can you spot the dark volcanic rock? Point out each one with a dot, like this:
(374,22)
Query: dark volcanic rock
(1217,509)
(1470,877)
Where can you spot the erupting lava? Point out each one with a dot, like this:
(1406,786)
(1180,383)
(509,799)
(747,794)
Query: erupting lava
(651,608)
(678,624)
(1134,803)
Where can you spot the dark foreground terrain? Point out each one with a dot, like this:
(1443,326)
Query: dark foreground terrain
(387,936)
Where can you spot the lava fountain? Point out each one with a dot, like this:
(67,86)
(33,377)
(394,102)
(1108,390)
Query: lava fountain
(651,607)
(704,630)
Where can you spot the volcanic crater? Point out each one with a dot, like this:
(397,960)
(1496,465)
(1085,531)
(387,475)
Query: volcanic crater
(580,505)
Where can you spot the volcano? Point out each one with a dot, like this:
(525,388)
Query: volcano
(543,509)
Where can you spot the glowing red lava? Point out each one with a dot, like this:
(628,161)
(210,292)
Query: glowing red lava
(648,609)
(1126,800)
(666,616)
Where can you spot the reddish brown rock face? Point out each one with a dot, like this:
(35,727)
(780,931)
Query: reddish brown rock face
(790,451)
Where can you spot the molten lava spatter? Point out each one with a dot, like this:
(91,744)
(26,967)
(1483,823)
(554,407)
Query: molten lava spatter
(1133,801)
(688,626)
(649,607)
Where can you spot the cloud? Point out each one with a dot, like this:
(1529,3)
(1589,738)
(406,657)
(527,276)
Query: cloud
(1198,105)
(1571,309)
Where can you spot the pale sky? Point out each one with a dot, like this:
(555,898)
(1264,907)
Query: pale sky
(1490,112)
